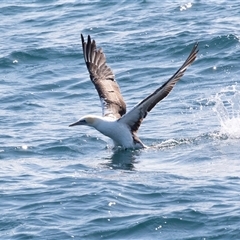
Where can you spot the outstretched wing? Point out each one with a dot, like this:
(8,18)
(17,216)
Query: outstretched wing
(135,117)
(103,80)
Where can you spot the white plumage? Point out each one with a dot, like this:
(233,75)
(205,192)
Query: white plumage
(115,123)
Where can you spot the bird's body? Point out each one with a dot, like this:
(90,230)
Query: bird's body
(116,123)
(113,128)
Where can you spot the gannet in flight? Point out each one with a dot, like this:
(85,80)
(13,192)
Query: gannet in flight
(115,122)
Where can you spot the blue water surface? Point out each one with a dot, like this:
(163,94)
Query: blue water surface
(58,182)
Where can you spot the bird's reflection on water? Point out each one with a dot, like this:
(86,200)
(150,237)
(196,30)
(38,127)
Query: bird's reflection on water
(123,159)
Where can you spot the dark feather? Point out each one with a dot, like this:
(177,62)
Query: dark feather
(135,117)
(103,79)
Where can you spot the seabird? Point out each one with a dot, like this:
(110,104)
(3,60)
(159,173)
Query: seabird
(115,122)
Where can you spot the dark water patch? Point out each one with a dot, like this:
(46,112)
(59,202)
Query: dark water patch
(30,55)
(24,106)
(224,41)
(7,63)
(44,74)
(65,182)
(57,148)
(13,10)
(122,159)
(37,55)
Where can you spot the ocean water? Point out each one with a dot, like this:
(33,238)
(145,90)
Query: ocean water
(58,182)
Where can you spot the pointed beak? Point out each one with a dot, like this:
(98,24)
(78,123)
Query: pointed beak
(79,122)
(73,124)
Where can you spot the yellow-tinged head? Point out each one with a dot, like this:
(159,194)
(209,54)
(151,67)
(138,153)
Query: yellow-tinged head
(86,120)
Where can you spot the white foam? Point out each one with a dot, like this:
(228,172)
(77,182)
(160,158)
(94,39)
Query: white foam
(227,108)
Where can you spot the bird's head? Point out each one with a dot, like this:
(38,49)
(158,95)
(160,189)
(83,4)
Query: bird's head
(86,120)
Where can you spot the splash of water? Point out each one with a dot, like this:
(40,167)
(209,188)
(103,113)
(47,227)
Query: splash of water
(227,108)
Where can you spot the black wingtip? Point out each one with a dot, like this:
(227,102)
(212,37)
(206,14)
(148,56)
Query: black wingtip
(89,39)
(196,46)
(82,37)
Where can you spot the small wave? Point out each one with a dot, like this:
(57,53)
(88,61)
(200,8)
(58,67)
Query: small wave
(227,108)
(171,143)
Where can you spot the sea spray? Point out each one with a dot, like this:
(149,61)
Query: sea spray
(227,108)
